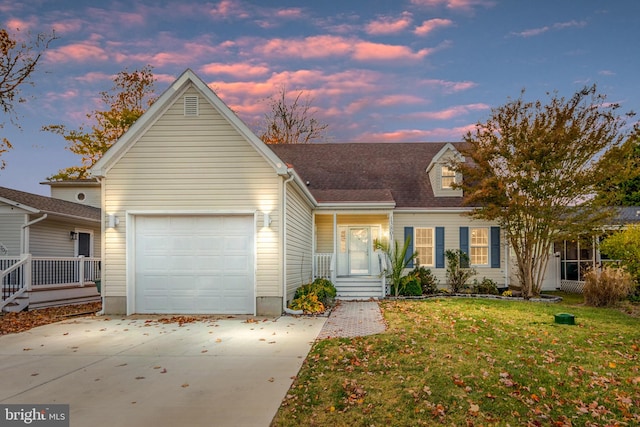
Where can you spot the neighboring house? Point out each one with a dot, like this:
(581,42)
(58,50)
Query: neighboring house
(83,191)
(200,216)
(52,233)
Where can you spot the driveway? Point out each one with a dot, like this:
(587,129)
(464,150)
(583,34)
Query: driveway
(143,371)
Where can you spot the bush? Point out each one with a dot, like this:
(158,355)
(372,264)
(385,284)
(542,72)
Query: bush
(606,287)
(458,272)
(308,303)
(486,286)
(428,281)
(410,286)
(322,288)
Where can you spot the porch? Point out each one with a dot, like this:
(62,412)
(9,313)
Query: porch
(36,282)
(345,253)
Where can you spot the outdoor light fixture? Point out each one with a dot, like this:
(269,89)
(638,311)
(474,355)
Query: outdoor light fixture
(73,235)
(266,219)
(113,220)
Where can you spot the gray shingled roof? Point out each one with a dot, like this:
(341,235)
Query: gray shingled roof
(368,172)
(50,205)
(627,214)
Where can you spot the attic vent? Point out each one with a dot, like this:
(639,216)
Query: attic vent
(191,105)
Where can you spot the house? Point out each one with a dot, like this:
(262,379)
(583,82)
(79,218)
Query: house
(200,216)
(50,234)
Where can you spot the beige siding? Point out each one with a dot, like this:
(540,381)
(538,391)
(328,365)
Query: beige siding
(324,227)
(51,238)
(324,233)
(435,176)
(451,223)
(193,164)
(299,241)
(71,194)
(11,223)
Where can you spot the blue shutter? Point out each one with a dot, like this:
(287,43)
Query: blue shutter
(439,247)
(495,247)
(408,232)
(464,244)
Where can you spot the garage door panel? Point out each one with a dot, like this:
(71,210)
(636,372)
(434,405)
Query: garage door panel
(194,264)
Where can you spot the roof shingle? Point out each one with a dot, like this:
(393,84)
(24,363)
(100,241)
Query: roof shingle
(50,205)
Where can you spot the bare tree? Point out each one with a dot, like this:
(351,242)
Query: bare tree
(17,64)
(291,123)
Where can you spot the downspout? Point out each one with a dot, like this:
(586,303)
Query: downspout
(25,240)
(285,309)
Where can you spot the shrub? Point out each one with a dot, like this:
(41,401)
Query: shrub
(606,287)
(428,282)
(322,288)
(308,303)
(410,286)
(457,271)
(507,293)
(486,286)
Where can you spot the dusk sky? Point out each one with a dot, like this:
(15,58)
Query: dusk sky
(376,70)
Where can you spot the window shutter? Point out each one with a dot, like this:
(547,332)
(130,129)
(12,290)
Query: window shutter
(495,247)
(408,232)
(439,247)
(464,244)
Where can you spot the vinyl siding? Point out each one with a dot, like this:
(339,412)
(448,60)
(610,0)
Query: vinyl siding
(324,227)
(51,238)
(193,164)
(10,229)
(70,193)
(299,241)
(451,223)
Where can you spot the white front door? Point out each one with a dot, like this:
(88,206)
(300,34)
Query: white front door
(359,250)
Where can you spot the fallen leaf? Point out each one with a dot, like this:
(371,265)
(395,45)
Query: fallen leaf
(184,385)
(139,378)
(271,379)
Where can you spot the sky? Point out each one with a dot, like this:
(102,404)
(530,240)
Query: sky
(374,70)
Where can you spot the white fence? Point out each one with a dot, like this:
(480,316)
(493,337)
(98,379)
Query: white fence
(323,266)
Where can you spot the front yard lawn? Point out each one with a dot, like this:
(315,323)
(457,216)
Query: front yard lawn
(472,362)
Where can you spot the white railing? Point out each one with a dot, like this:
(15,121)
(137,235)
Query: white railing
(323,266)
(15,278)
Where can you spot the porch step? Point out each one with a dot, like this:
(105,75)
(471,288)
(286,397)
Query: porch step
(358,288)
(42,297)
(17,305)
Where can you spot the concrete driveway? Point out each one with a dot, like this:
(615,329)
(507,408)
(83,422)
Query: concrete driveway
(141,371)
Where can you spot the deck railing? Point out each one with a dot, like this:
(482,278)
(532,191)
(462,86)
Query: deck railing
(323,266)
(21,274)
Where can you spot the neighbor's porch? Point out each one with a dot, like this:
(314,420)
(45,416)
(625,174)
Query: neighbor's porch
(345,253)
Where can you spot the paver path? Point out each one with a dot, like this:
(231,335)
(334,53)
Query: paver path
(353,319)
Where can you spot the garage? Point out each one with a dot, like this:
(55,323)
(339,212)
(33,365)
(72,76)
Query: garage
(194,264)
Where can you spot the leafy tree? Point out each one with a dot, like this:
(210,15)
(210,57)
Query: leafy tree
(291,122)
(534,169)
(624,189)
(130,96)
(17,64)
(398,260)
(458,270)
(624,246)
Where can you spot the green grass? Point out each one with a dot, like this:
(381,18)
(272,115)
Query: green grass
(475,362)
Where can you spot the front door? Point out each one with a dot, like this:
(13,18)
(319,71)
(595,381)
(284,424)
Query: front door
(359,250)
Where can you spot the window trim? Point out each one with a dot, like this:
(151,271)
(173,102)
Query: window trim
(433,245)
(487,246)
(449,175)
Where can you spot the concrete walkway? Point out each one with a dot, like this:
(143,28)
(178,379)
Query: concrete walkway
(353,319)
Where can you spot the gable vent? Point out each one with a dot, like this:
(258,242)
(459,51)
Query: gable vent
(191,105)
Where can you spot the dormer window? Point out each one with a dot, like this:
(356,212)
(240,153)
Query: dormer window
(447,178)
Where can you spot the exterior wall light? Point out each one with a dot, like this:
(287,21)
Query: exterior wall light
(266,219)
(113,220)
(73,235)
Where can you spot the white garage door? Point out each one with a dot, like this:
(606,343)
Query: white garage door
(194,264)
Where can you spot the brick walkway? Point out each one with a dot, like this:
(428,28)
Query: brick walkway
(353,319)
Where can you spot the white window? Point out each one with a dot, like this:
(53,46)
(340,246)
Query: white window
(424,246)
(447,177)
(479,246)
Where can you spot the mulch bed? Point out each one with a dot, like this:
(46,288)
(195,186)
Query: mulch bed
(11,323)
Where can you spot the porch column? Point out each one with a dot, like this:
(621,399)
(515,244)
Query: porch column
(334,272)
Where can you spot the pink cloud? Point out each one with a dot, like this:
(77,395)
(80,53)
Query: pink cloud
(93,77)
(290,13)
(431,25)
(368,51)
(454,4)
(310,47)
(449,113)
(417,135)
(383,101)
(228,9)
(85,52)
(240,70)
(15,24)
(389,25)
